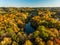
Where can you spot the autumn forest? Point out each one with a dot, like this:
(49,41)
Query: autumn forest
(30,26)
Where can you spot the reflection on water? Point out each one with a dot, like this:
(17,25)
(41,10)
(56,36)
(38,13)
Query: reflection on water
(28,28)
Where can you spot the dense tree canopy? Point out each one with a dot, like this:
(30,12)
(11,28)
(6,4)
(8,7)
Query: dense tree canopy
(44,21)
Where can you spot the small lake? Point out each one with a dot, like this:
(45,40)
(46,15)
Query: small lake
(28,28)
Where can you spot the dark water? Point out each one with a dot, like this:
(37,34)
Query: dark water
(28,28)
